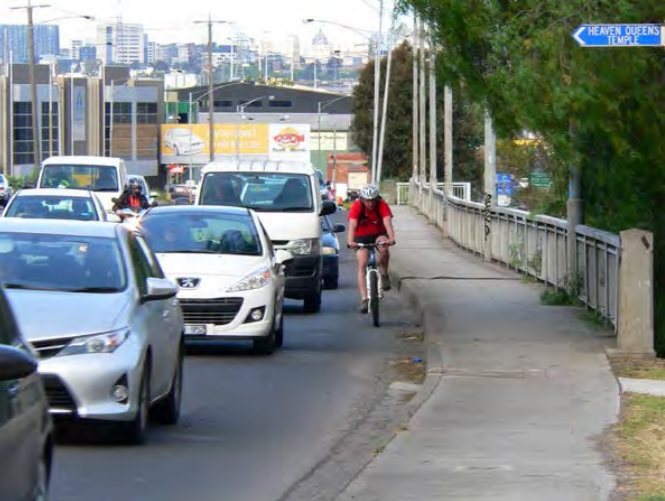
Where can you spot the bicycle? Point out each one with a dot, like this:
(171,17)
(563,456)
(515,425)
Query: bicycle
(373,278)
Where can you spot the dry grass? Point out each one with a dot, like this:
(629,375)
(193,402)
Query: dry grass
(637,442)
(638,367)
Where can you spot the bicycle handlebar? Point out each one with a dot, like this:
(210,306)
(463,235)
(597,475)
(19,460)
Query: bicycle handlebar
(370,246)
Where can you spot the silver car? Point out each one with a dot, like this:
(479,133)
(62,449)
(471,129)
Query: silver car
(93,301)
(56,203)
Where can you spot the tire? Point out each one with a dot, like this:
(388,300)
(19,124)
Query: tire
(279,333)
(266,345)
(41,490)
(374,295)
(134,432)
(312,303)
(331,283)
(167,410)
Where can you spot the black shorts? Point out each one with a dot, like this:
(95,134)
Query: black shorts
(369,239)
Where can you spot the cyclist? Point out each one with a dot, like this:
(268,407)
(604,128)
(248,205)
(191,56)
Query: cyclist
(132,198)
(370,221)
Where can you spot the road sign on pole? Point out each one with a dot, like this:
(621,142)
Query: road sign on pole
(620,35)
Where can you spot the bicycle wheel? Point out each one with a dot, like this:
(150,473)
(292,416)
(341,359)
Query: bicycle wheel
(374,296)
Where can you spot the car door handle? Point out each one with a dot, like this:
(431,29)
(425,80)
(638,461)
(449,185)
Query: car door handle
(13,389)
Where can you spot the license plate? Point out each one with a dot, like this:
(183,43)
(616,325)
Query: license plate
(196,330)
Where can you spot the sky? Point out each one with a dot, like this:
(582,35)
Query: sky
(170,21)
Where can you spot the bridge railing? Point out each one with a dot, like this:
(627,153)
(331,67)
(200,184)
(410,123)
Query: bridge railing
(460,190)
(534,245)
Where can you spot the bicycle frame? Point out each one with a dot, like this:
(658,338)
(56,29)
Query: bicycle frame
(373,268)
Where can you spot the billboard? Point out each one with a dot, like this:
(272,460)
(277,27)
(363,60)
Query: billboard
(330,141)
(190,143)
(289,142)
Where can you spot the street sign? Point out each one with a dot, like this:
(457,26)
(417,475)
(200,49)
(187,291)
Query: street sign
(620,35)
(540,180)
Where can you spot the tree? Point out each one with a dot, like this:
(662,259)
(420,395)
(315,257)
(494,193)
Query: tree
(601,110)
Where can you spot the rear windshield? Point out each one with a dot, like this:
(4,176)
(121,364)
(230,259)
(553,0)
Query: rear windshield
(266,191)
(93,177)
(52,207)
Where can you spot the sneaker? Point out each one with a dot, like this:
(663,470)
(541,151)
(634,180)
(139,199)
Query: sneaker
(364,306)
(385,282)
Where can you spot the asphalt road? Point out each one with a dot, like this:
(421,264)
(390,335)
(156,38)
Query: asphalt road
(251,426)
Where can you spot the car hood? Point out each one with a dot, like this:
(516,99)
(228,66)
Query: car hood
(291,225)
(223,270)
(52,314)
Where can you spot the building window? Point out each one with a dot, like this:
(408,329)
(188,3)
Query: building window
(50,130)
(280,104)
(147,131)
(255,104)
(118,130)
(22,136)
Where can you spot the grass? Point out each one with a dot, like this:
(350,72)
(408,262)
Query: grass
(557,297)
(638,448)
(637,441)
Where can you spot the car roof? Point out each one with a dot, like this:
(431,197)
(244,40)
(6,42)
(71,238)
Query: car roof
(286,166)
(212,209)
(58,192)
(82,160)
(60,227)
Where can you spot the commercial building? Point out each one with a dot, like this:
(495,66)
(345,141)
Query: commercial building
(121,43)
(14,41)
(110,115)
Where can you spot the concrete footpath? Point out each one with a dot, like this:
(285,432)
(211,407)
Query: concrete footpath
(521,391)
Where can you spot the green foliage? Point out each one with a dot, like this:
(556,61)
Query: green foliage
(600,109)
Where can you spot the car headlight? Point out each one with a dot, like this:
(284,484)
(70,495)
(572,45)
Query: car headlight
(304,247)
(254,280)
(328,250)
(107,342)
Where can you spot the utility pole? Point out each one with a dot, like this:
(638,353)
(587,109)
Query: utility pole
(432,115)
(377,90)
(211,84)
(448,139)
(36,137)
(574,212)
(422,113)
(414,139)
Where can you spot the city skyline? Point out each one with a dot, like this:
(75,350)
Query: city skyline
(164,26)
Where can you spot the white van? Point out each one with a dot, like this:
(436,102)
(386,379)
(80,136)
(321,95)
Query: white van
(106,176)
(286,197)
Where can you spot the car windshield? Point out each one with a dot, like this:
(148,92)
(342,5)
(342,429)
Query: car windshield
(201,233)
(94,177)
(270,192)
(61,263)
(52,207)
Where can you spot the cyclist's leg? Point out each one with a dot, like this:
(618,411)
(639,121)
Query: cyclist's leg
(383,257)
(362,255)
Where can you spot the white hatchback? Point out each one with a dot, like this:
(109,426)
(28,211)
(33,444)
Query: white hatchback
(230,279)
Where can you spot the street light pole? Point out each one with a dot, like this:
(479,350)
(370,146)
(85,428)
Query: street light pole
(36,137)
(377,82)
(240,109)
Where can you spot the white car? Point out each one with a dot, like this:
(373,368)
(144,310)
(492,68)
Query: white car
(231,279)
(94,303)
(56,203)
(183,141)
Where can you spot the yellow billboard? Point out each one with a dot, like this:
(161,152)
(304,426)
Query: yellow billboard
(182,143)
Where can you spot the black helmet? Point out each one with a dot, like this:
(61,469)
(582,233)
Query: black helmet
(134,184)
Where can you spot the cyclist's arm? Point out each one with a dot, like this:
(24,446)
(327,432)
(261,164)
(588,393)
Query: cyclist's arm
(388,223)
(351,233)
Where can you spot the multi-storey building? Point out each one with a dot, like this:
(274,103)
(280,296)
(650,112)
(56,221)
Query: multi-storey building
(124,43)
(14,40)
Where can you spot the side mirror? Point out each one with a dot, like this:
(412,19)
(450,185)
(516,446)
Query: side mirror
(159,288)
(339,228)
(113,218)
(283,256)
(114,200)
(15,363)
(328,207)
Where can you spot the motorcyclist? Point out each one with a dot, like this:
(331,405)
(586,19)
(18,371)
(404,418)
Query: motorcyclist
(132,197)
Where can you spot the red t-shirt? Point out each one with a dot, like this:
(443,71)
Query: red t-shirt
(372,221)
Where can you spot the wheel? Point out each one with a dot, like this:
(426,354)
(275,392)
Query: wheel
(41,487)
(135,430)
(279,333)
(374,297)
(312,303)
(167,410)
(266,345)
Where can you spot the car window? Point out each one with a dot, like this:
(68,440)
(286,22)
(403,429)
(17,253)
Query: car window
(53,207)
(61,263)
(94,177)
(270,191)
(155,269)
(201,232)
(141,265)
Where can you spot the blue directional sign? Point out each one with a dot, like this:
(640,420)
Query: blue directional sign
(620,35)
